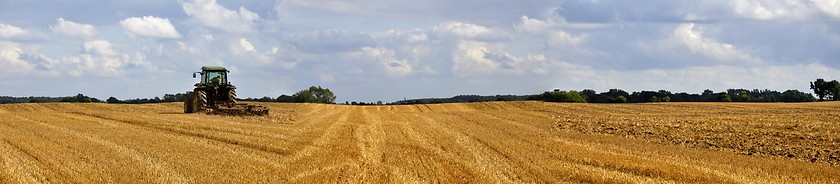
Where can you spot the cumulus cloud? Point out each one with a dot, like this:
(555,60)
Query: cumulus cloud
(691,37)
(331,40)
(830,7)
(532,26)
(9,31)
(211,14)
(150,26)
(469,31)
(770,9)
(246,45)
(327,77)
(101,47)
(10,59)
(183,46)
(387,60)
(70,28)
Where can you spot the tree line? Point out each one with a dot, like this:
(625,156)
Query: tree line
(730,95)
(825,90)
(43,99)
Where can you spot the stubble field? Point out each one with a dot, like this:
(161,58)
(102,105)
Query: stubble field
(449,143)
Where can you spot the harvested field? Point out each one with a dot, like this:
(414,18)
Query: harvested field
(449,143)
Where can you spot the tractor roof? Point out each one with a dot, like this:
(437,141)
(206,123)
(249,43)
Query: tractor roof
(213,68)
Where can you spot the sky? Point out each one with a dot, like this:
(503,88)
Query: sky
(388,50)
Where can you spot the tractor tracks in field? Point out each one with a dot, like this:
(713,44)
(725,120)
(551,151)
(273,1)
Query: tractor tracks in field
(370,140)
(200,135)
(19,165)
(165,173)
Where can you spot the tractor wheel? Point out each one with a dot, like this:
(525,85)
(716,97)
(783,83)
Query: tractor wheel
(200,100)
(189,106)
(232,96)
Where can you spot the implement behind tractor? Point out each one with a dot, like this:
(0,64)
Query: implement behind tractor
(215,95)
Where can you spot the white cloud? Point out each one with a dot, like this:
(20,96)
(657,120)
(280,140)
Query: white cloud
(401,36)
(469,60)
(10,59)
(327,77)
(209,37)
(771,9)
(212,14)
(101,47)
(246,45)
(830,7)
(70,28)
(150,26)
(10,31)
(469,31)
(691,37)
(560,37)
(188,49)
(532,26)
(386,59)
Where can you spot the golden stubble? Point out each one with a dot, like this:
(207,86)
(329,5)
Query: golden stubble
(494,142)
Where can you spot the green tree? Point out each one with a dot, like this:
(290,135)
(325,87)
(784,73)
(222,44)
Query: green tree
(563,96)
(621,99)
(744,97)
(112,100)
(833,88)
(315,95)
(819,87)
(724,97)
(796,96)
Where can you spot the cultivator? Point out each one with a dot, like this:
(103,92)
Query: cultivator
(215,95)
(239,109)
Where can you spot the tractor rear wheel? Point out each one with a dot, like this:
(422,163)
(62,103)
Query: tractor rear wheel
(200,100)
(232,96)
(189,101)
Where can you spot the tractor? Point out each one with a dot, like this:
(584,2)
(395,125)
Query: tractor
(214,94)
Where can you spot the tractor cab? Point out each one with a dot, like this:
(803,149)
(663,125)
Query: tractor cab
(213,76)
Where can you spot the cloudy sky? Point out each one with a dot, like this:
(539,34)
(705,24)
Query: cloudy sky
(368,50)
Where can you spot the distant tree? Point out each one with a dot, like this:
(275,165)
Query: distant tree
(589,95)
(621,99)
(563,96)
(709,96)
(315,95)
(819,87)
(379,102)
(112,100)
(285,98)
(724,97)
(796,96)
(744,97)
(833,88)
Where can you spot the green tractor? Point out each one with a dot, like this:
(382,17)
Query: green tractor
(214,94)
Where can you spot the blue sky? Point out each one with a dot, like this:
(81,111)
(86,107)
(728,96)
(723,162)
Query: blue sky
(368,50)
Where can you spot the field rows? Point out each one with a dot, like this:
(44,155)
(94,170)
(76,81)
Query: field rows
(475,142)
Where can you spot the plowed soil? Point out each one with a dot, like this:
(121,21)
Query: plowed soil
(499,142)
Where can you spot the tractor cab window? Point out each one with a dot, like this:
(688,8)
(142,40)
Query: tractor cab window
(215,77)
